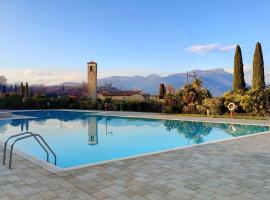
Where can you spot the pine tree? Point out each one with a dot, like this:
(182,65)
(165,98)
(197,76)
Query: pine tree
(162,91)
(238,75)
(258,81)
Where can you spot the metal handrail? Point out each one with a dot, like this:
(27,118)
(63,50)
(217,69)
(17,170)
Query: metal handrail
(21,134)
(36,136)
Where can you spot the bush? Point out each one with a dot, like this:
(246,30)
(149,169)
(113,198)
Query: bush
(249,101)
(92,105)
(13,101)
(100,105)
(233,97)
(82,104)
(29,103)
(189,109)
(74,105)
(215,105)
(201,109)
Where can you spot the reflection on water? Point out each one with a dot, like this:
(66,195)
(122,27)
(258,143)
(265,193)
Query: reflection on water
(82,137)
(196,131)
(92,131)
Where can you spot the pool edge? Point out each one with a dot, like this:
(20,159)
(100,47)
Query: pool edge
(56,169)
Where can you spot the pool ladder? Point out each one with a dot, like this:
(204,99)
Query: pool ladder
(26,135)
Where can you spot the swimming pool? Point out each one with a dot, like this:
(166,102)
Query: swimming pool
(82,138)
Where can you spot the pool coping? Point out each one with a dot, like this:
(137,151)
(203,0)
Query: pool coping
(17,117)
(162,116)
(55,169)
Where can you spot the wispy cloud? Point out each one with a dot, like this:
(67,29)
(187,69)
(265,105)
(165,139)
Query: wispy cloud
(42,76)
(207,48)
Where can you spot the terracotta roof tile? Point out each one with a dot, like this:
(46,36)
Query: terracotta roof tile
(120,93)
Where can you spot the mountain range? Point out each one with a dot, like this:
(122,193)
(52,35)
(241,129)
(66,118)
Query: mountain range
(217,81)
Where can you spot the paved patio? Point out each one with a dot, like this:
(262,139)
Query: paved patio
(236,169)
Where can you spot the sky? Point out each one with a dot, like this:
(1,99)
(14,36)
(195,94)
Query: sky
(50,41)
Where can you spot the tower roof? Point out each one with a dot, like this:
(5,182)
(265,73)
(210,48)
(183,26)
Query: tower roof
(91,62)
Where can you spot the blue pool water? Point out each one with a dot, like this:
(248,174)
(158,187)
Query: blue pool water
(86,138)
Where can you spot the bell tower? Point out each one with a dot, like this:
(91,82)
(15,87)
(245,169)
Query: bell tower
(92,131)
(92,80)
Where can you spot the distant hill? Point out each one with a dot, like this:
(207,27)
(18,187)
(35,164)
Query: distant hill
(70,84)
(217,81)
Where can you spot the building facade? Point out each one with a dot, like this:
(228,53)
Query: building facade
(92,80)
(129,96)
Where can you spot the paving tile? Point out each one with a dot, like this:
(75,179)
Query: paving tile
(236,169)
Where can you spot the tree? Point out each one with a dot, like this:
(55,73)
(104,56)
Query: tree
(22,90)
(170,89)
(4,89)
(197,84)
(192,95)
(15,89)
(26,89)
(258,81)
(238,75)
(162,91)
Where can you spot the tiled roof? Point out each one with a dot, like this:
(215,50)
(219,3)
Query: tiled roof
(120,93)
(91,62)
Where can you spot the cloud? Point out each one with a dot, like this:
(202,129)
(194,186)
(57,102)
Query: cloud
(207,48)
(227,48)
(42,76)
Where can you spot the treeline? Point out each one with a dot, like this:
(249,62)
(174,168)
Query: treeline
(21,89)
(16,101)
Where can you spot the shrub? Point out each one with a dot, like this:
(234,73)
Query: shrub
(92,105)
(82,104)
(29,103)
(172,104)
(233,97)
(201,109)
(215,105)
(13,101)
(249,101)
(108,100)
(189,109)
(259,101)
(74,105)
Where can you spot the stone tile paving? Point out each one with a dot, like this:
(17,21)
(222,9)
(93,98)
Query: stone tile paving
(236,169)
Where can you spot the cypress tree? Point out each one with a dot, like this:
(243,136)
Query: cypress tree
(26,89)
(162,91)
(22,90)
(258,81)
(238,75)
(15,89)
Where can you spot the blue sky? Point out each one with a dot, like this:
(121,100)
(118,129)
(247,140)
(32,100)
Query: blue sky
(50,41)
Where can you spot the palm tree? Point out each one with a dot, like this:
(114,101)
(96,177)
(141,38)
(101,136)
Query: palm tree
(197,84)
